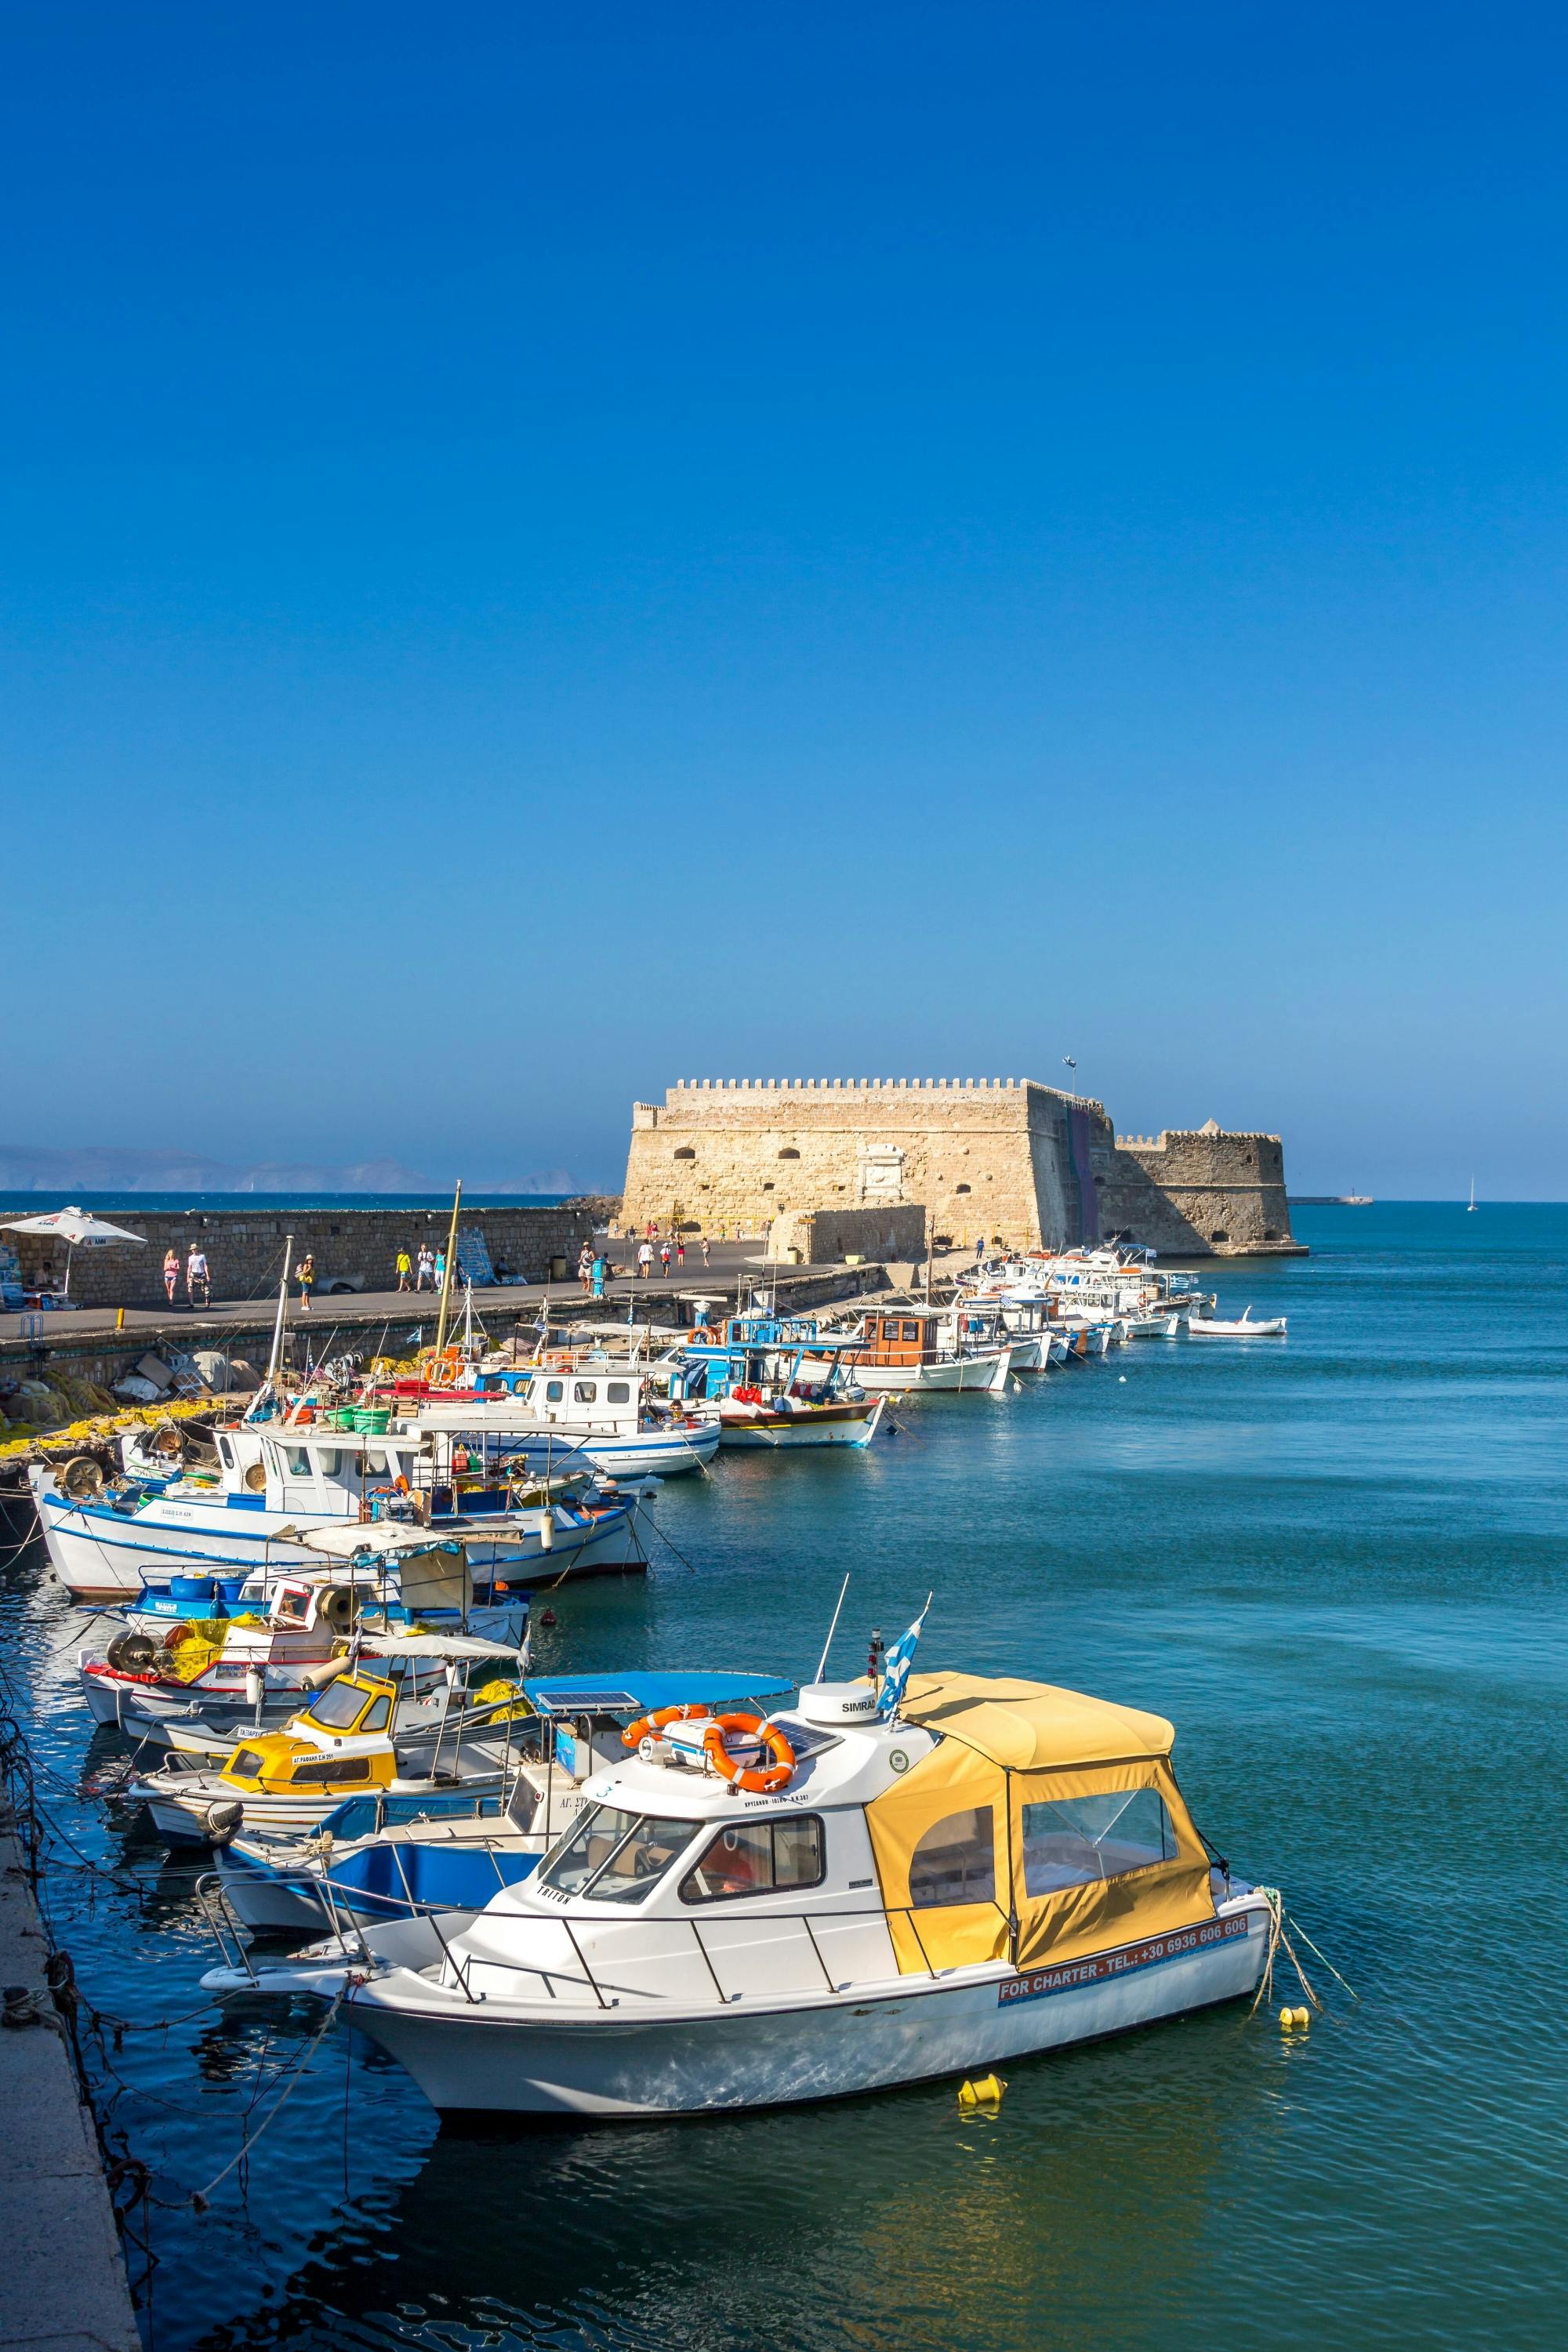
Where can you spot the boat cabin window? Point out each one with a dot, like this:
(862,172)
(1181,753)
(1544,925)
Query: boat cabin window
(298,1462)
(329,1461)
(910,1331)
(585,1391)
(614,1856)
(337,1707)
(554,1391)
(618,1392)
(1077,1841)
(955,1862)
(225,1452)
(378,1464)
(380,1709)
(326,1772)
(758,1858)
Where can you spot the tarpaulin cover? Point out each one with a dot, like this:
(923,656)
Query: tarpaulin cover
(950,1835)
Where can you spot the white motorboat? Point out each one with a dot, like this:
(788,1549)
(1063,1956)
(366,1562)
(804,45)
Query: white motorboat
(1155,1325)
(994,1869)
(1202,1326)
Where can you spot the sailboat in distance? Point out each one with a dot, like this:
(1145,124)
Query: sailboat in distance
(1472,1207)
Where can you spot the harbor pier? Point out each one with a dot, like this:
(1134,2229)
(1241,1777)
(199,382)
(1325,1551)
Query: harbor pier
(64,2275)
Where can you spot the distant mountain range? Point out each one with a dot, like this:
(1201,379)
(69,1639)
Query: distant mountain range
(24,1169)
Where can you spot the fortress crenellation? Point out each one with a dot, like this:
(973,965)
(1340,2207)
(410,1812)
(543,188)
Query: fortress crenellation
(1006,1161)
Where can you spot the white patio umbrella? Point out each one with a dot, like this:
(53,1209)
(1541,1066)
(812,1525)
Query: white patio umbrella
(77,1229)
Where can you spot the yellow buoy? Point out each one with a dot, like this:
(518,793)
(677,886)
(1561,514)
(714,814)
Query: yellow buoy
(1286,2018)
(985,2091)
(1303,2017)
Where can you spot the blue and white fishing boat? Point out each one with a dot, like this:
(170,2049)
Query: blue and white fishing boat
(780,1381)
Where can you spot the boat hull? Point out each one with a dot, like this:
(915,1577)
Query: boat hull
(976,1375)
(829,1425)
(101,1554)
(493,2057)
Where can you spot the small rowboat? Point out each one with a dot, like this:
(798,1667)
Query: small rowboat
(1212,1328)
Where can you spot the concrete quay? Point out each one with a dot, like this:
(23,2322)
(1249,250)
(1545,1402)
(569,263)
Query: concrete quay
(62,2277)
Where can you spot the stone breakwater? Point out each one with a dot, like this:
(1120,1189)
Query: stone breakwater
(245,1248)
(1006,1160)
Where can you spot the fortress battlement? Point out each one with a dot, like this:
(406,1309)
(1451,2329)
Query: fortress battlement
(1008,1162)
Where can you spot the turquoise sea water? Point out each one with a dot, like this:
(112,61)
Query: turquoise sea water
(1337,1564)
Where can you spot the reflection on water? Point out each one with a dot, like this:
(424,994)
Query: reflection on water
(1336,1563)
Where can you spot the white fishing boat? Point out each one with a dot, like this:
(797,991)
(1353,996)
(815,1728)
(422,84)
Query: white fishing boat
(1244,1327)
(108,1542)
(1155,1325)
(902,1888)
(199,1683)
(909,1350)
(346,1742)
(602,1412)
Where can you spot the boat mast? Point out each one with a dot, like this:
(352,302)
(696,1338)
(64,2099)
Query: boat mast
(447,1274)
(275,1361)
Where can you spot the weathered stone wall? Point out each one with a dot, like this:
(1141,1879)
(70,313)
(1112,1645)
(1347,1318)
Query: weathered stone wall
(1199,1193)
(245,1248)
(1001,1157)
(827,1236)
(1008,1159)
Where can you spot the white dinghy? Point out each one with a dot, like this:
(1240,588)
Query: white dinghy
(863,1890)
(1244,1327)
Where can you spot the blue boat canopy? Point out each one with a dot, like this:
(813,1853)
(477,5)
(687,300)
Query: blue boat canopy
(642,1694)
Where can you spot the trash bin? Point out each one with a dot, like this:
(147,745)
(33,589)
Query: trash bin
(557,1269)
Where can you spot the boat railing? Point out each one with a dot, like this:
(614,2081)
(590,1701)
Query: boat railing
(226,1926)
(609,1996)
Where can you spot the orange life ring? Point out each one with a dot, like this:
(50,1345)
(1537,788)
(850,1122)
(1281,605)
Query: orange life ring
(765,1781)
(636,1733)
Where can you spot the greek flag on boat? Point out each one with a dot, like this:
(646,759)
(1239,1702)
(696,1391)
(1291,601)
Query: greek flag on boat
(897,1664)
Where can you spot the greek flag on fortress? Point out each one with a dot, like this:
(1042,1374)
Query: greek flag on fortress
(896,1666)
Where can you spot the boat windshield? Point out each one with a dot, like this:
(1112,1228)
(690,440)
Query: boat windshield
(616,1857)
(337,1707)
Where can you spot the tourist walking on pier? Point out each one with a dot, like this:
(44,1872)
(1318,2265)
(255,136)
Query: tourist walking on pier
(170,1273)
(405,1270)
(644,1258)
(441,1269)
(680,1249)
(196,1277)
(598,1273)
(306,1277)
(425,1278)
(585,1266)
(664,1253)
(704,1249)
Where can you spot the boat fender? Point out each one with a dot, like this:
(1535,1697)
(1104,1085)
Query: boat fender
(81,1478)
(647,1725)
(223,1820)
(757,1781)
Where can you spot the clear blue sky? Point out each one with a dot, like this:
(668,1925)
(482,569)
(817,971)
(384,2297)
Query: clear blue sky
(551,548)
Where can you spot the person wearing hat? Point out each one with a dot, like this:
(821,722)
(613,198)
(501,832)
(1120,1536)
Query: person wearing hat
(306,1277)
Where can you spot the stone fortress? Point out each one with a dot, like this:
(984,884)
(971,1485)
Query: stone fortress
(837,1166)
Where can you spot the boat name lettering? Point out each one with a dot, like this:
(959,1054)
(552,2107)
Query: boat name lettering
(1099,1967)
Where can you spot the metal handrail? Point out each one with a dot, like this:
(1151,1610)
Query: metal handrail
(461,1969)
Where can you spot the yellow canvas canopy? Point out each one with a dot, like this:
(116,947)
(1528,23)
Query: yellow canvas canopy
(1044,1825)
